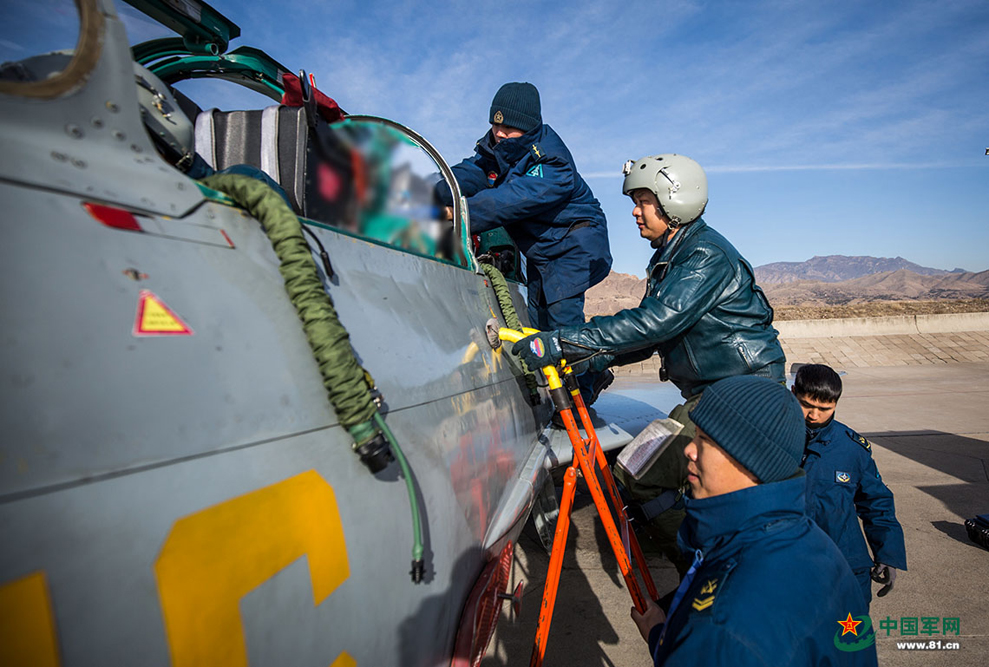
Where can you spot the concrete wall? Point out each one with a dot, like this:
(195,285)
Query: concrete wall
(875,341)
(888,350)
(884,326)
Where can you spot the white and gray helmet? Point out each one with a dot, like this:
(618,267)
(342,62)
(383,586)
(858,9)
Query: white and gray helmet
(677,181)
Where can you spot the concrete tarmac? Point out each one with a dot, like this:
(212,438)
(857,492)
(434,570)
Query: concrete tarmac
(929,426)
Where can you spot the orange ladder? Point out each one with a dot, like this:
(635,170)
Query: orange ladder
(589,457)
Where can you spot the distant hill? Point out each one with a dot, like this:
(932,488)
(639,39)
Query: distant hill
(620,290)
(837,268)
(899,285)
(617,291)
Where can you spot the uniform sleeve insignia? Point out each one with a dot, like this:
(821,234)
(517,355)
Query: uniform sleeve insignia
(537,151)
(537,170)
(842,477)
(706,597)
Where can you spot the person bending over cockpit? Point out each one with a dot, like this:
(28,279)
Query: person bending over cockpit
(522,177)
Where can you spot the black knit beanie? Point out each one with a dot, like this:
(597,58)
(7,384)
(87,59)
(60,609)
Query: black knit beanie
(757,422)
(516,105)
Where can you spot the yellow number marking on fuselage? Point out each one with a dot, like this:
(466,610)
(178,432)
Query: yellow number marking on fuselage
(213,558)
(27,628)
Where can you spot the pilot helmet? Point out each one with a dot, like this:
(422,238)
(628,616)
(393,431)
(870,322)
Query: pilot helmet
(677,181)
(170,129)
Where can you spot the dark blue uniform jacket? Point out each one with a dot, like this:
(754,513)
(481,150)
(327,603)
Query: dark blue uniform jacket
(536,194)
(844,485)
(770,591)
(702,311)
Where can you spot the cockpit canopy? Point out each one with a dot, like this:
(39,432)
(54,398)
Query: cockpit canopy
(364,176)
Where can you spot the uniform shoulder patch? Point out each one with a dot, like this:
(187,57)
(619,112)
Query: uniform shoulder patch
(706,595)
(860,440)
(708,587)
(536,170)
(537,151)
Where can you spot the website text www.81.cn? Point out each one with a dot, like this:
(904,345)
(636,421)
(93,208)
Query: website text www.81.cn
(933,645)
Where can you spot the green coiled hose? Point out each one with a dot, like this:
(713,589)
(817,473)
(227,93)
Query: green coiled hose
(346,382)
(504,295)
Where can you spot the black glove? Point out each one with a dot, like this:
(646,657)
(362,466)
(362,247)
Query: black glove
(539,350)
(883,574)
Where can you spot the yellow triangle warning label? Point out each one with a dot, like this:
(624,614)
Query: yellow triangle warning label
(154,318)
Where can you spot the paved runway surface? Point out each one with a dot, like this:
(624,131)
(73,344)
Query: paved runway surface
(929,426)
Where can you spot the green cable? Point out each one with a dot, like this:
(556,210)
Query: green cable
(343,376)
(504,295)
(346,382)
(417,549)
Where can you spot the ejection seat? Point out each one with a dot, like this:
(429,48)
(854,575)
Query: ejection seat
(274,139)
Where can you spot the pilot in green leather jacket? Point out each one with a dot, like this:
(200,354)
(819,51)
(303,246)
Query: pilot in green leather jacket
(702,312)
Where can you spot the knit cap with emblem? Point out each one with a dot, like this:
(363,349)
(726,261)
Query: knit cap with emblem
(516,105)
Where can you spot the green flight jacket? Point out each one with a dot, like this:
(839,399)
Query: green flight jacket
(702,312)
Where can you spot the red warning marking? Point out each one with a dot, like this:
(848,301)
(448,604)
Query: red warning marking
(154,318)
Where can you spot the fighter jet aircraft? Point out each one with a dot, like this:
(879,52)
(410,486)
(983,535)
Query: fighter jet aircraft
(192,472)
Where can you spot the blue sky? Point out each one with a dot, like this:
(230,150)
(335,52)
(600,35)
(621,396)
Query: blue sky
(856,128)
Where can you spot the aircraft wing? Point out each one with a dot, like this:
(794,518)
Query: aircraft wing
(619,414)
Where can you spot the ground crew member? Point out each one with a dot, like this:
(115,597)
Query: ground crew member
(523,178)
(767,586)
(843,485)
(702,312)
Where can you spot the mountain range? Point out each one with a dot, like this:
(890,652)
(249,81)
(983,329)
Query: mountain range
(831,280)
(901,285)
(837,268)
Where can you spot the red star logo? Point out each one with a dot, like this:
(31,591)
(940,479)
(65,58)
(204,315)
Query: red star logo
(849,626)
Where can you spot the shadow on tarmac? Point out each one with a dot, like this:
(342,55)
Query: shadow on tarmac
(956,455)
(956,531)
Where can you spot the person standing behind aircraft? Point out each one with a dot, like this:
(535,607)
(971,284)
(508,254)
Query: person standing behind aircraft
(843,485)
(522,177)
(767,586)
(702,312)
